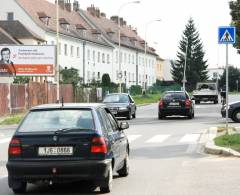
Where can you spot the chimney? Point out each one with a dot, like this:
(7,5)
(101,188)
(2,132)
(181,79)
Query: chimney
(68,6)
(103,15)
(61,3)
(124,23)
(114,19)
(135,30)
(75,6)
(97,11)
(121,21)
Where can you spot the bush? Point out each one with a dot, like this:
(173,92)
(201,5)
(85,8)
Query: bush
(135,90)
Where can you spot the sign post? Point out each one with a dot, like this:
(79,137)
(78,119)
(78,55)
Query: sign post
(226,35)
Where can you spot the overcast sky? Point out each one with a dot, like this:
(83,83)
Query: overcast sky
(165,36)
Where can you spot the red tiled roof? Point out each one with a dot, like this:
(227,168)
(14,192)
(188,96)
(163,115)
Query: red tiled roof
(104,24)
(73,18)
(6,38)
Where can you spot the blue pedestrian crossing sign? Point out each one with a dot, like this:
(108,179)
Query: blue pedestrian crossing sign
(226,34)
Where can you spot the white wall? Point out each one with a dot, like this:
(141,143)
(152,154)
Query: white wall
(167,75)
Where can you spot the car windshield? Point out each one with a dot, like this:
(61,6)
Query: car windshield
(53,120)
(177,96)
(116,99)
(206,86)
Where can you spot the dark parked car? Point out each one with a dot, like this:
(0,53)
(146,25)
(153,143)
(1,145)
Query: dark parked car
(121,105)
(175,103)
(233,111)
(66,143)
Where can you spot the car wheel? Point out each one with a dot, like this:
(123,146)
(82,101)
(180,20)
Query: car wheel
(197,102)
(123,172)
(236,116)
(216,102)
(107,187)
(160,116)
(129,116)
(134,115)
(18,187)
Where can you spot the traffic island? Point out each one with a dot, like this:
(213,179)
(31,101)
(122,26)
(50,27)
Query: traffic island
(220,143)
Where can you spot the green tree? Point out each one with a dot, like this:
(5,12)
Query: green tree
(235,13)
(21,79)
(196,66)
(233,78)
(106,81)
(70,76)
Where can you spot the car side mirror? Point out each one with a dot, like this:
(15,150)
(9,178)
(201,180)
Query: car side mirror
(124,125)
(193,98)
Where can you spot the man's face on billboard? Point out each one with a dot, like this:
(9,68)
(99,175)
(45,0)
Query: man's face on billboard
(6,55)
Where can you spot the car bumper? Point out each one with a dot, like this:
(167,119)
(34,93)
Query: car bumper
(205,97)
(122,113)
(58,171)
(175,111)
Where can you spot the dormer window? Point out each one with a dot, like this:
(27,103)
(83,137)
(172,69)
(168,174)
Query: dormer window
(110,32)
(123,37)
(133,40)
(44,17)
(81,29)
(64,24)
(96,33)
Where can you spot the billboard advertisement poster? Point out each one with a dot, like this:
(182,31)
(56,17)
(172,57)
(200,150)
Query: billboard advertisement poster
(27,60)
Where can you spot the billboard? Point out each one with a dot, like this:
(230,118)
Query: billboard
(27,60)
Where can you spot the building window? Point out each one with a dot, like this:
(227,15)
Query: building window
(129,77)
(88,76)
(72,50)
(108,58)
(120,57)
(99,57)
(129,58)
(103,58)
(133,77)
(78,52)
(88,55)
(98,75)
(93,55)
(133,61)
(59,48)
(125,58)
(140,62)
(65,50)
(10,16)
(117,56)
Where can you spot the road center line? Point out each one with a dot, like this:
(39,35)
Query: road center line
(190,138)
(158,138)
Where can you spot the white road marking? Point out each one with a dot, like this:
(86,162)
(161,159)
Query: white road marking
(190,138)
(5,140)
(133,137)
(197,106)
(3,177)
(158,138)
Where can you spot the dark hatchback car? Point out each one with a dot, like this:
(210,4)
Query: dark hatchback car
(67,143)
(233,111)
(175,103)
(121,105)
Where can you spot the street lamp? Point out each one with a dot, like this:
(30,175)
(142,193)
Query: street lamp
(185,65)
(145,52)
(57,60)
(119,44)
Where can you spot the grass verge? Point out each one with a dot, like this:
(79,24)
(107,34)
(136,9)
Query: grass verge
(12,119)
(146,99)
(232,141)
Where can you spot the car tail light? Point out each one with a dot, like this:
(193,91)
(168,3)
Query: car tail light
(188,103)
(15,147)
(99,145)
(161,104)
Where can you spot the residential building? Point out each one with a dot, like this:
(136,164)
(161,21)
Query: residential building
(88,41)
(159,68)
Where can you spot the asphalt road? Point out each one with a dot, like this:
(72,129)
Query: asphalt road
(166,158)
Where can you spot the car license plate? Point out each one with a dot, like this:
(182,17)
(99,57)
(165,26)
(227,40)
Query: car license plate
(114,112)
(174,104)
(55,151)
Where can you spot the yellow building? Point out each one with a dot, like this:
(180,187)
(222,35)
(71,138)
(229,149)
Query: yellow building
(159,68)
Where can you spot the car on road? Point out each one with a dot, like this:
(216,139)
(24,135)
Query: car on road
(233,111)
(175,103)
(121,105)
(66,143)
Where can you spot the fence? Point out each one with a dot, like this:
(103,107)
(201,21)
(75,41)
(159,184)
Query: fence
(18,97)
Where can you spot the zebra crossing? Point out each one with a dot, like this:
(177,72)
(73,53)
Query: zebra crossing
(165,138)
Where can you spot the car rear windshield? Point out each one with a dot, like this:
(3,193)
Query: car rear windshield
(210,86)
(52,120)
(177,96)
(116,99)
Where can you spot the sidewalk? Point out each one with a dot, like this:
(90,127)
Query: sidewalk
(210,146)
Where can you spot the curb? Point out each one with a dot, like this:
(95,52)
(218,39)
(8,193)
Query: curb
(211,148)
(141,105)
